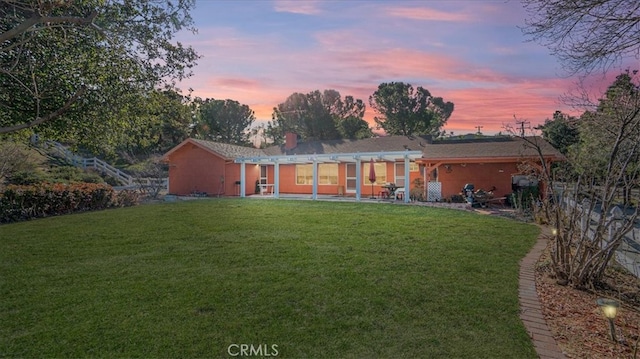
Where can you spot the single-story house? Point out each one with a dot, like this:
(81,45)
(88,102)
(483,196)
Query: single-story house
(342,167)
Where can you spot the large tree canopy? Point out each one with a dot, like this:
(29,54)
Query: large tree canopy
(561,132)
(319,116)
(586,34)
(610,135)
(225,121)
(405,111)
(152,123)
(62,60)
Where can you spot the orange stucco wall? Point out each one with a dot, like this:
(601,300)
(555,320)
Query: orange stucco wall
(192,169)
(288,180)
(483,176)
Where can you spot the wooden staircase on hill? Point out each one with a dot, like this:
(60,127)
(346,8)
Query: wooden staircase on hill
(59,150)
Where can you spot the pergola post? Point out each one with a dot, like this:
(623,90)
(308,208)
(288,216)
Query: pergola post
(243,180)
(276,179)
(358,178)
(315,179)
(407,184)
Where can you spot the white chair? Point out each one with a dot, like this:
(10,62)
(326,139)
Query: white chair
(399,193)
(266,189)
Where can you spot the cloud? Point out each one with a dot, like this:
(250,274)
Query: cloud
(482,96)
(530,100)
(236,83)
(298,7)
(426,14)
(489,77)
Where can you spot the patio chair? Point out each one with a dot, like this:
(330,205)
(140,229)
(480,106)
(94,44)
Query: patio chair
(266,189)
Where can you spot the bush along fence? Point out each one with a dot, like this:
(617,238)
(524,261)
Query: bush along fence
(628,253)
(21,203)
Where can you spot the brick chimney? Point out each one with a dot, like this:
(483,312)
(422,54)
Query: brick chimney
(290,141)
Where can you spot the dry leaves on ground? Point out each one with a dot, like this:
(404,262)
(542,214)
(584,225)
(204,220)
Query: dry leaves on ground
(577,323)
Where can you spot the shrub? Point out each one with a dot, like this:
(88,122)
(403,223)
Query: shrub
(19,203)
(17,157)
(91,177)
(416,194)
(127,198)
(149,176)
(28,177)
(525,198)
(68,174)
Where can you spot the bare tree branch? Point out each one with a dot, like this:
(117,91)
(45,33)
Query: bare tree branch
(588,34)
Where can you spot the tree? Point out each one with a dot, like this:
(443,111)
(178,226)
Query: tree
(561,132)
(152,123)
(405,111)
(586,34)
(318,116)
(610,138)
(59,59)
(225,121)
(350,120)
(593,208)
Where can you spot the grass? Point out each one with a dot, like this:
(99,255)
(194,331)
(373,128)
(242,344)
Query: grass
(315,279)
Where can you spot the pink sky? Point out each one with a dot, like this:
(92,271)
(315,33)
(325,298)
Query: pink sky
(469,52)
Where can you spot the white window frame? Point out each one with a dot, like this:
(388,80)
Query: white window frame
(327,174)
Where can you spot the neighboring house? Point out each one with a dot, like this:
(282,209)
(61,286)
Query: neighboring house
(341,167)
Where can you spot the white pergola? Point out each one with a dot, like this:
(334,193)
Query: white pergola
(314,159)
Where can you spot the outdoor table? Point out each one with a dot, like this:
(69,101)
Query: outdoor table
(391,188)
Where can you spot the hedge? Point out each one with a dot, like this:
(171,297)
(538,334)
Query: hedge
(24,202)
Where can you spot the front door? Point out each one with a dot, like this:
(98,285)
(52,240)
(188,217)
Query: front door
(351,178)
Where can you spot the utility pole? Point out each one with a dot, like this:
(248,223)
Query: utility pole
(522,123)
(479,127)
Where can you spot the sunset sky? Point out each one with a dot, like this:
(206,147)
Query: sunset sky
(471,53)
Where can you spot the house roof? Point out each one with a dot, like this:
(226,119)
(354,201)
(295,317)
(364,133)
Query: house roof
(377,144)
(490,148)
(224,150)
(481,149)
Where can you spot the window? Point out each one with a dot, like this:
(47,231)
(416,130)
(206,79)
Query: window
(304,174)
(399,175)
(381,172)
(327,174)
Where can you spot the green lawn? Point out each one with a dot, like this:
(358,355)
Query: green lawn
(305,279)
